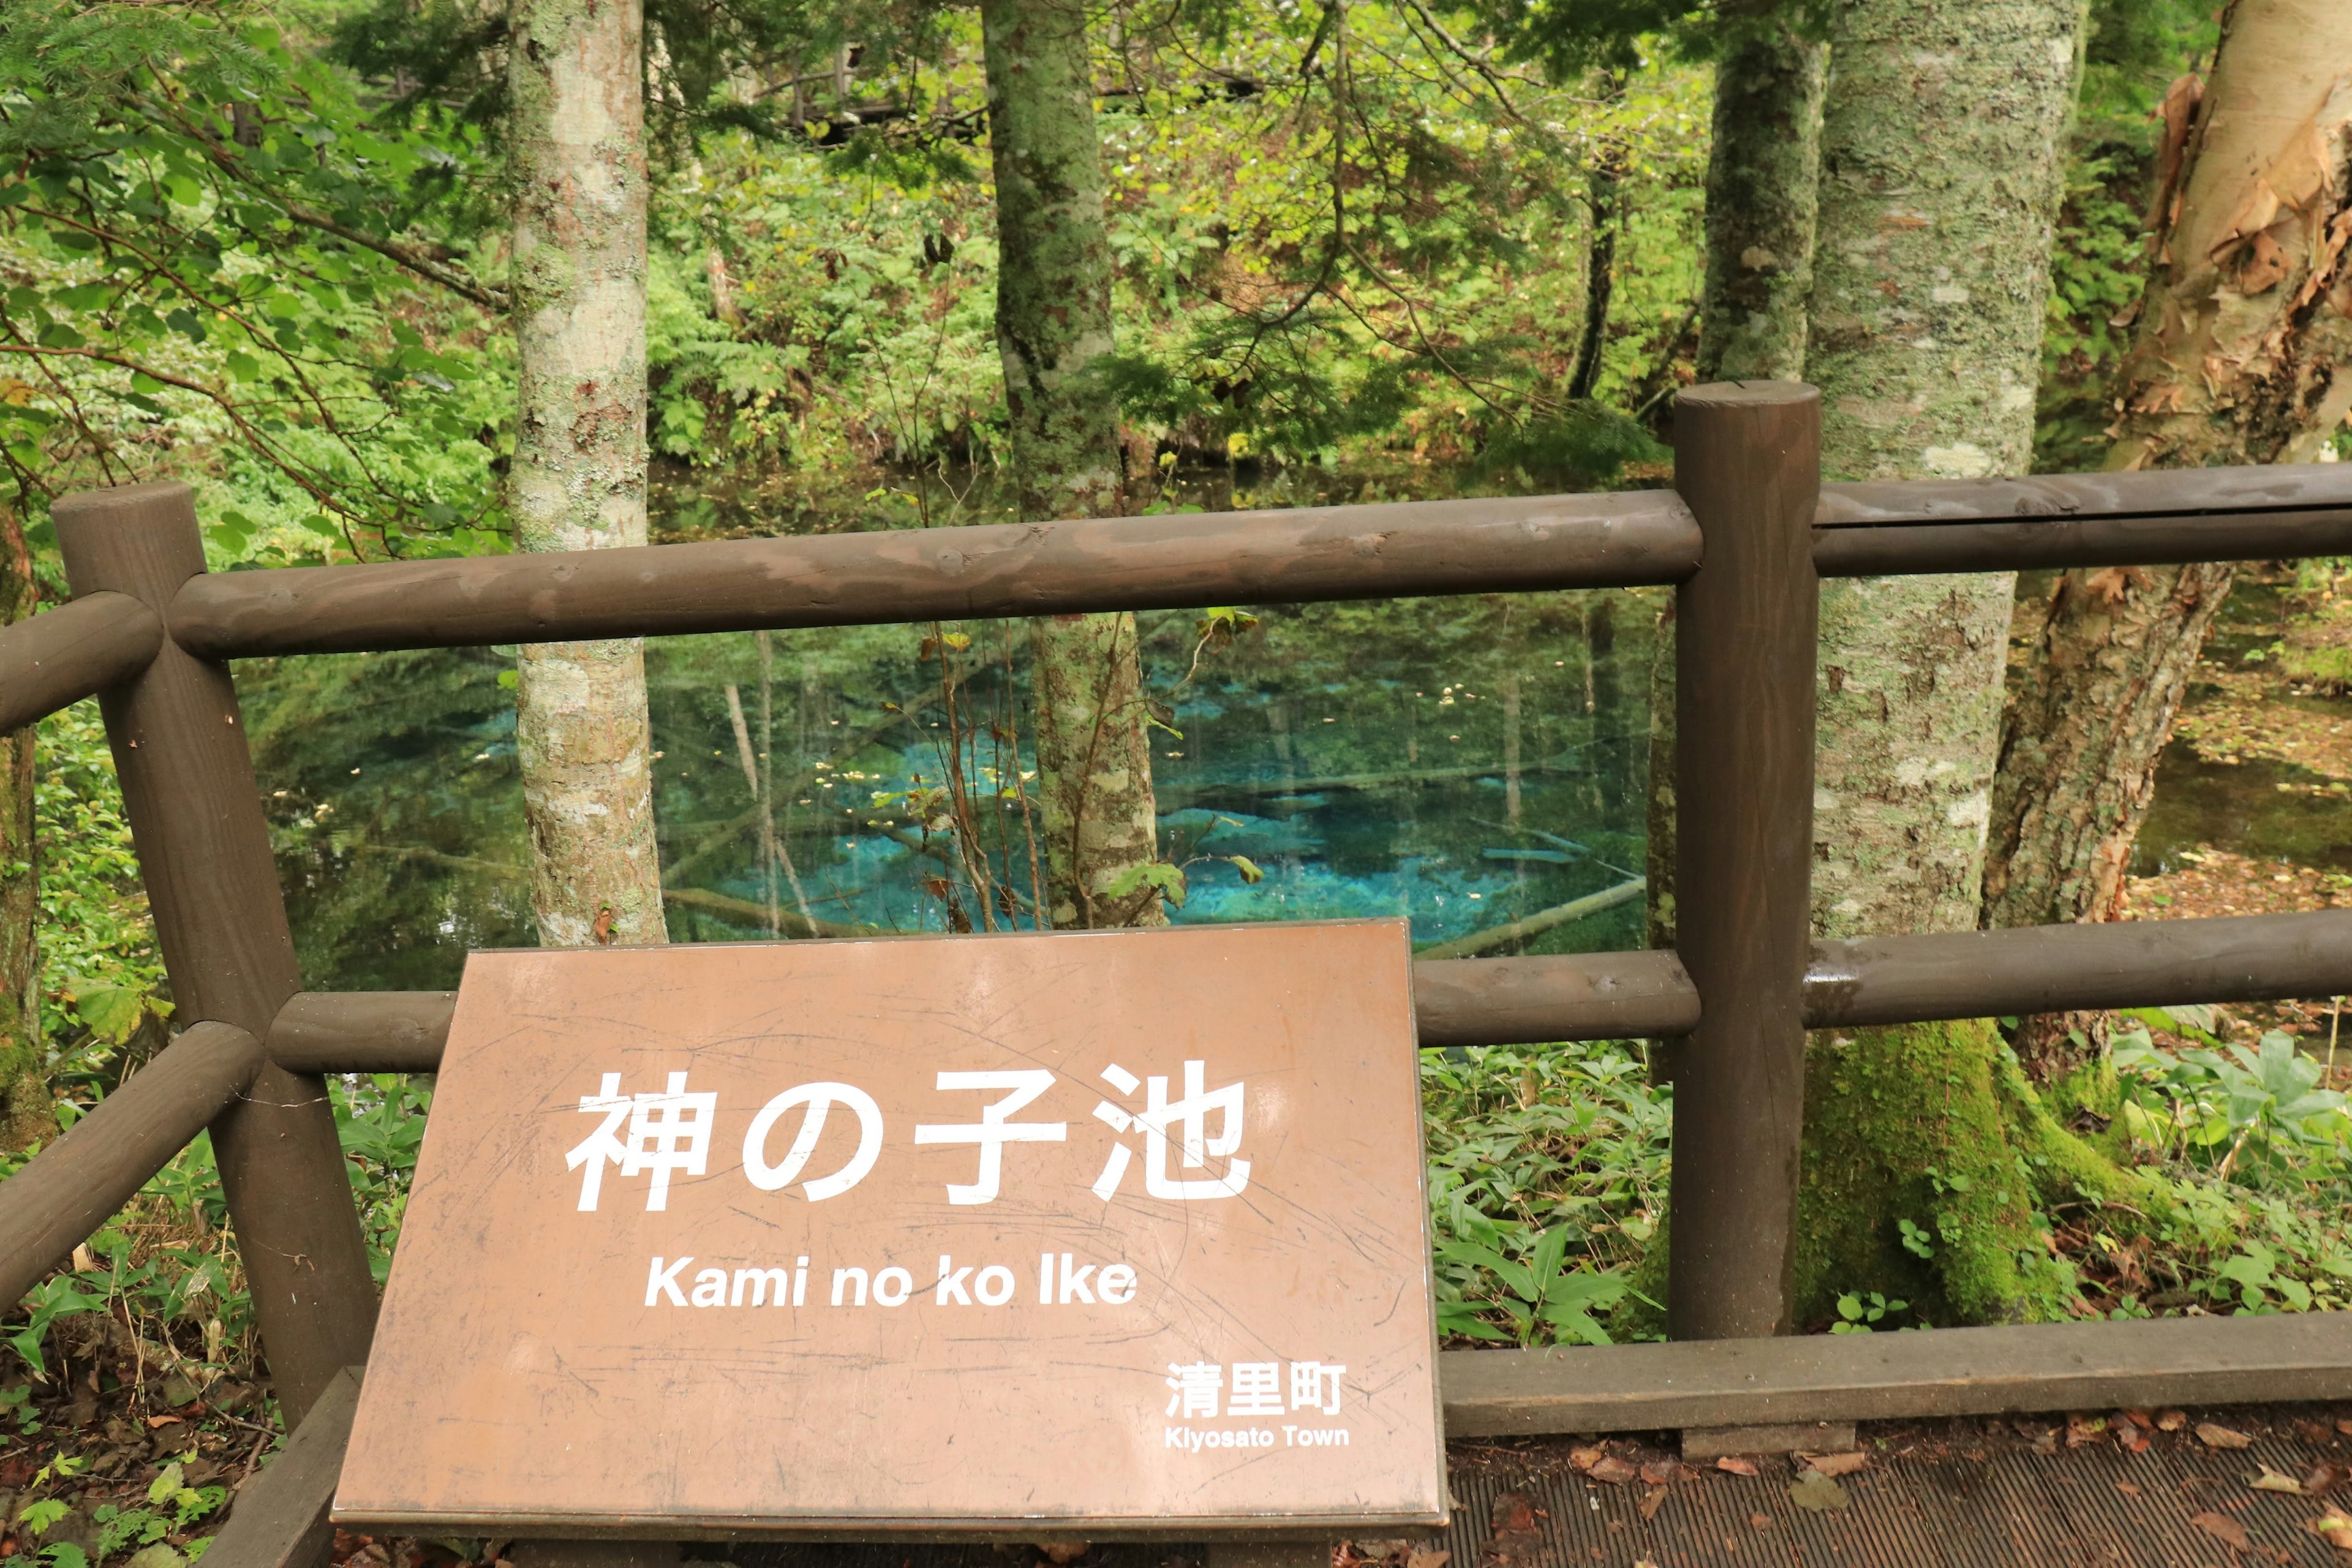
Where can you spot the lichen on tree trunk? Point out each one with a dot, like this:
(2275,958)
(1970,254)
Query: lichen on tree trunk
(577,133)
(2245,338)
(1052,324)
(1941,151)
(26,1115)
(1762,200)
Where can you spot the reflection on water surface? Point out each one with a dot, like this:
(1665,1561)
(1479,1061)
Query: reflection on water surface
(1464,763)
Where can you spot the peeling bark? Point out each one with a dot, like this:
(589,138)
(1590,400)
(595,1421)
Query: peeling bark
(1053,323)
(576,78)
(1763,202)
(26,1113)
(2246,330)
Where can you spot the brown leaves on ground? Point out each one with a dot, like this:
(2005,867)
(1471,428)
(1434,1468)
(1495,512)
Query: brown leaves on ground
(2215,1436)
(1613,1471)
(1735,1465)
(1835,1464)
(2209,881)
(2222,1527)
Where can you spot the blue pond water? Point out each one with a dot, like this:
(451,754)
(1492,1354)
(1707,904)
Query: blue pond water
(1464,763)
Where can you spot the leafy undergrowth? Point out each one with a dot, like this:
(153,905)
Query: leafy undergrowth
(131,1399)
(1547,1169)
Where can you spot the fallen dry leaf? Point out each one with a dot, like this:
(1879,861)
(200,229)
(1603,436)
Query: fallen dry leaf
(1658,1472)
(1737,1466)
(2170,1420)
(154,1421)
(2140,1418)
(2345,1426)
(2270,1480)
(2222,1528)
(1062,1553)
(1836,1464)
(1585,1459)
(2333,1527)
(1816,1493)
(2324,1478)
(1760,1520)
(1651,1503)
(2135,1438)
(2130,1488)
(2214,1436)
(2082,1429)
(1420,1557)
(1614,1470)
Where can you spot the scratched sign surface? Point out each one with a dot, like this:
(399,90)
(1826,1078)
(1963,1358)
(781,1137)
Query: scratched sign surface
(990,1231)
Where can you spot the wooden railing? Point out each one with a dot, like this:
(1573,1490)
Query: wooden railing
(1745,540)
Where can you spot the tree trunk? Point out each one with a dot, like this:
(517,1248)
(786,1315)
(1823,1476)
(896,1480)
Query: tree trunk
(1053,323)
(26,1114)
(1941,165)
(576,78)
(2246,321)
(1762,201)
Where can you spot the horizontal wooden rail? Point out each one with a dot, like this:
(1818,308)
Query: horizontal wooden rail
(921,574)
(361,1031)
(1878,528)
(1579,996)
(280,1519)
(74,1185)
(1897,1376)
(1297,555)
(1631,996)
(77,651)
(2056,969)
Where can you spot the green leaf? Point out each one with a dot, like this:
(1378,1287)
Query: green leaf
(36,1517)
(112,1013)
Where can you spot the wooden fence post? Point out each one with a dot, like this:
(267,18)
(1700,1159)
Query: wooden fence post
(1747,461)
(220,919)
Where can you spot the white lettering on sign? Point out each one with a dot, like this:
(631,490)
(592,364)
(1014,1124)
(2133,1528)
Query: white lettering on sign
(668,1132)
(995,1128)
(659,1134)
(820,1098)
(1255,1387)
(1189,1114)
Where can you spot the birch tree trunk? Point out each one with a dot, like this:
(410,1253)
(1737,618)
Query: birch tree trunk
(1053,323)
(2244,336)
(1762,201)
(1941,167)
(26,1113)
(576,79)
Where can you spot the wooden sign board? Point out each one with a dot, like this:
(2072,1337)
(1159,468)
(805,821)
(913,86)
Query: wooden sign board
(1122,1231)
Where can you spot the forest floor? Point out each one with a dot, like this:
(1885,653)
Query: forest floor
(2241,713)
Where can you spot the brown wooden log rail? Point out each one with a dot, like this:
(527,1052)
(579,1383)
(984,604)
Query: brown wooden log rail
(1745,540)
(76,650)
